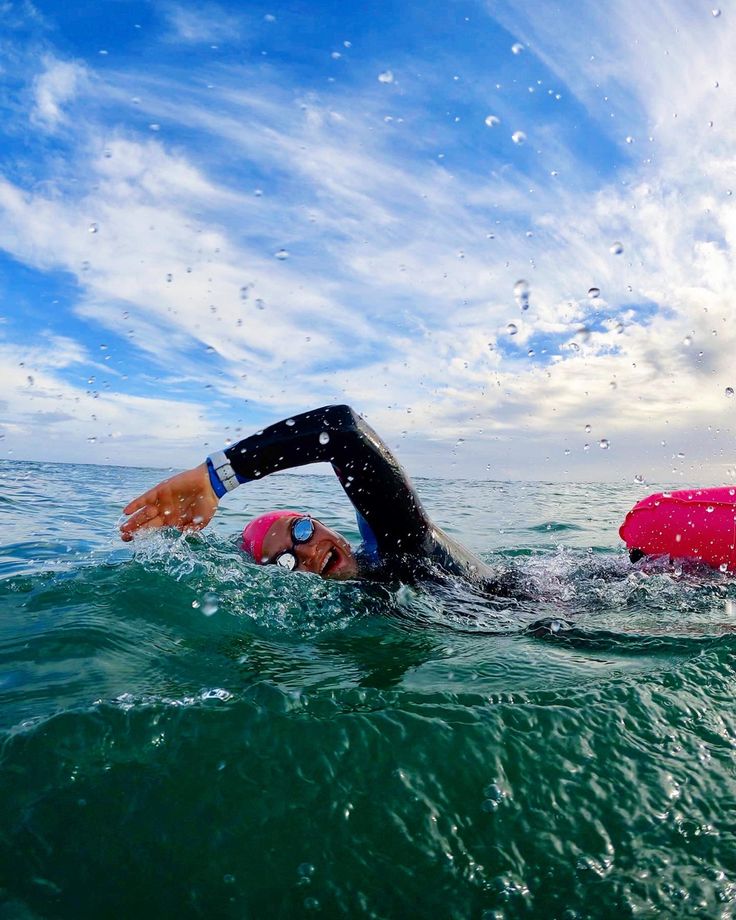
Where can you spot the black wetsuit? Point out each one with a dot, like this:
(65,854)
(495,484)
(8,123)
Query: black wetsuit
(399,538)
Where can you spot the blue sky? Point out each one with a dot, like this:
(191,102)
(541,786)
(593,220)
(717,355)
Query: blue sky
(215,215)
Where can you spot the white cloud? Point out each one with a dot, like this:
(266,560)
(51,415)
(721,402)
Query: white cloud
(56,86)
(209,22)
(45,417)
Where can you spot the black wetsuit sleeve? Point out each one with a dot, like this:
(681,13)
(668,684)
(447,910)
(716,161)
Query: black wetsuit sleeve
(369,473)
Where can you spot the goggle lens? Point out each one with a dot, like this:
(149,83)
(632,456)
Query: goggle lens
(302,530)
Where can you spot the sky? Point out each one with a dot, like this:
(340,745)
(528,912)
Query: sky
(504,233)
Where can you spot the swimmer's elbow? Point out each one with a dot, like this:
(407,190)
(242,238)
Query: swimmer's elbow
(345,416)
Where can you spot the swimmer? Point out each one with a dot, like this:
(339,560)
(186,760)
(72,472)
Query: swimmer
(399,539)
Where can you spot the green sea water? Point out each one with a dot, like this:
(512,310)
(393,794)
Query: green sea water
(183,734)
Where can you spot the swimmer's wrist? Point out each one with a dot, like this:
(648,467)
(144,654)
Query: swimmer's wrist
(223,478)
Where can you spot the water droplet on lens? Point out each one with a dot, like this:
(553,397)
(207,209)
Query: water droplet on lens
(518,137)
(639,478)
(512,328)
(729,391)
(290,422)
(604,444)
(594,292)
(629,139)
(715,13)
(324,438)
(386,77)
(93,228)
(92,439)
(588,429)
(521,293)
(517,48)
(492,120)
(210,604)
(616,248)
(710,509)
(586,446)
(169,277)
(282,254)
(687,340)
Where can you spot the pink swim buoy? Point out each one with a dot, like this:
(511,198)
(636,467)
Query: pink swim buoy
(697,524)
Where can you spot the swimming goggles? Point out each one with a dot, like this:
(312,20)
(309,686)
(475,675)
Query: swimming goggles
(302,531)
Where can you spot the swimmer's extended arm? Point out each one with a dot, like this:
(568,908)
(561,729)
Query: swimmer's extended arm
(372,478)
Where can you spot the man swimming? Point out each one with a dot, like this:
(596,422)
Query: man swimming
(399,539)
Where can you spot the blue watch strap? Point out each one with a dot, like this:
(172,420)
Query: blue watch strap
(222,475)
(217,487)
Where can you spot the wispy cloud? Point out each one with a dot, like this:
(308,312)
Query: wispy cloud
(53,88)
(239,229)
(207,22)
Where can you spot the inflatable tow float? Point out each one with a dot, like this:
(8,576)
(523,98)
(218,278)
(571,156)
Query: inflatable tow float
(695,524)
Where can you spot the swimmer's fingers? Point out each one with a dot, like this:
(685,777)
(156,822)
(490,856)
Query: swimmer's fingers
(186,501)
(142,517)
(151,497)
(152,518)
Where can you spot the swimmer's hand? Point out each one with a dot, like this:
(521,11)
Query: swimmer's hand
(186,501)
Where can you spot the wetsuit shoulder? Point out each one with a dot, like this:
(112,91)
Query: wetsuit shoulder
(372,478)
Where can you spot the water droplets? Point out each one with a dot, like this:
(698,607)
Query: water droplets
(210,604)
(687,341)
(521,294)
(616,248)
(629,139)
(93,228)
(386,76)
(729,392)
(290,422)
(281,254)
(517,48)
(594,293)
(715,13)
(492,120)
(518,137)
(324,438)
(604,444)
(512,328)
(639,479)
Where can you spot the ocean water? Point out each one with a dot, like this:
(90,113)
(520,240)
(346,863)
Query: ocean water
(183,734)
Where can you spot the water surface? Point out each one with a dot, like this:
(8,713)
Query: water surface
(183,734)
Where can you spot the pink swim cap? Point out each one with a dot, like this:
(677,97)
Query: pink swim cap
(255,532)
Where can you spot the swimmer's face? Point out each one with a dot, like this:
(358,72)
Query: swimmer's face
(326,553)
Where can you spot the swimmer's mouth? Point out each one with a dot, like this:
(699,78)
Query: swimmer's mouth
(329,562)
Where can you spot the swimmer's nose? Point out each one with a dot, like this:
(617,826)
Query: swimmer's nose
(306,554)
